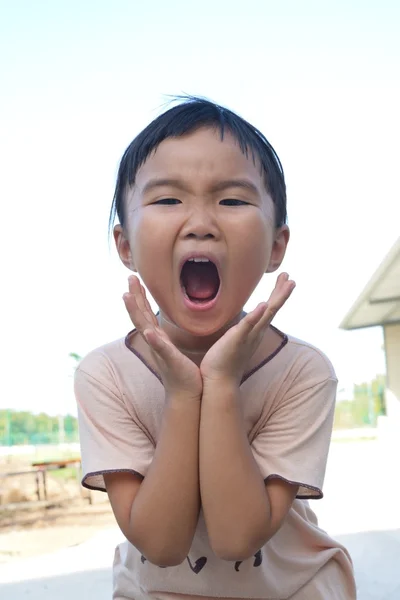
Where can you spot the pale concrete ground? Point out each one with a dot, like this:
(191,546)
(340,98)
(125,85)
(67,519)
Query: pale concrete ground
(360,508)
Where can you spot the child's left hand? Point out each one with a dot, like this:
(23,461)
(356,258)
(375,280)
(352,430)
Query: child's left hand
(228,358)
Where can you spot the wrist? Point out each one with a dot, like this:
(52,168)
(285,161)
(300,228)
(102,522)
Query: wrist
(227,387)
(179,396)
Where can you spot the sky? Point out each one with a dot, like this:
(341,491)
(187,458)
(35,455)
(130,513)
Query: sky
(78,80)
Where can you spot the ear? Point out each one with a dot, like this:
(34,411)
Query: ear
(278,251)
(123,248)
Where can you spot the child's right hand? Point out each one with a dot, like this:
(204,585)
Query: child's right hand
(179,374)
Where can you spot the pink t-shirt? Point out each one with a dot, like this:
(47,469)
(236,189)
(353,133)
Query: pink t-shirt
(288,413)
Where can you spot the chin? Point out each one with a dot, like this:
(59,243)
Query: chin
(201,321)
(201,330)
(205,326)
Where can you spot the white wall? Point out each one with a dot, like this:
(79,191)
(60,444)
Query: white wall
(392,349)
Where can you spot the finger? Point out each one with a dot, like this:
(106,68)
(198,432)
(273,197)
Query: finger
(258,315)
(137,317)
(134,303)
(141,303)
(136,288)
(148,308)
(255,315)
(159,344)
(154,340)
(282,291)
(281,284)
(133,283)
(247,324)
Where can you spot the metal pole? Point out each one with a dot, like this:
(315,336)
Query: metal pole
(8,427)
(61,431)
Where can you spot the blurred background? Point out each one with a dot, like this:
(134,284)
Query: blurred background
(79,79)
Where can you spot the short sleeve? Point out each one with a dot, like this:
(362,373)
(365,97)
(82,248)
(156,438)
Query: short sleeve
(293,443)
(110,438)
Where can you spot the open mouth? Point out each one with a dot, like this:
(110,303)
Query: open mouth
(200,280)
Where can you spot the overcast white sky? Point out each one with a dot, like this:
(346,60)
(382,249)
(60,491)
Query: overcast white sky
(80,79)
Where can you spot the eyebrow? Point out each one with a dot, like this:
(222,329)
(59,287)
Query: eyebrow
(218,187)
(155,183)
(243,184)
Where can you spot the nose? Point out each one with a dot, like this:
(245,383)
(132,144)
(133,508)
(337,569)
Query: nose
(201,225)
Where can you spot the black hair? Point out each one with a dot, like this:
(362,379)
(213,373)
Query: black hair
(193,113)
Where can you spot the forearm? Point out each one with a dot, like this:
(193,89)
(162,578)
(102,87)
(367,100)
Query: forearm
(165,512)
(233,494)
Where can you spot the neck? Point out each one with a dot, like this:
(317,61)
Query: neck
(195,347)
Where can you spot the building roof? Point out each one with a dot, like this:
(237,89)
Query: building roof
(379,302)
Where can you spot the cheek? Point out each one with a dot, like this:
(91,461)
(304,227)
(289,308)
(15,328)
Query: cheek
(253,250)
(148,240)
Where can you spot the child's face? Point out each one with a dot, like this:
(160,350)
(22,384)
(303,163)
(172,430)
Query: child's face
(200,197)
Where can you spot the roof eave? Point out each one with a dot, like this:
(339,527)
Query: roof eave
(368,289)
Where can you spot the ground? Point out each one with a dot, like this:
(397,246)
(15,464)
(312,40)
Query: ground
(46,530)
(360,509)
(29,527)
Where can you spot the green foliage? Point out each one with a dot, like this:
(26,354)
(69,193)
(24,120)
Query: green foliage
(64,474)
(23,427)
(363,410)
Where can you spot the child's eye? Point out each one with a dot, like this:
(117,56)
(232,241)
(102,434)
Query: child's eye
(233,202)
(168,201)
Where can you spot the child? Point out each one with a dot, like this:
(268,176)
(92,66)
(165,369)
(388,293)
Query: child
(209,428)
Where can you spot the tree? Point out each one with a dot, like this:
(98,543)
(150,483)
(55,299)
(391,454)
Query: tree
(23,427)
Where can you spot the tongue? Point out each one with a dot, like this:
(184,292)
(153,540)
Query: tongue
(200,280)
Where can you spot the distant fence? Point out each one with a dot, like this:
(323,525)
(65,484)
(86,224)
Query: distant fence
(39,439)
(18,428)
(364,409)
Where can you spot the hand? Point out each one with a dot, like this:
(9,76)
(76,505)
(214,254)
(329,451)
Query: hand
(178,373)
(228,358)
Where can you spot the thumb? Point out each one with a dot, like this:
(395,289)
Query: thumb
(158,345)
(254,316)
(154,340)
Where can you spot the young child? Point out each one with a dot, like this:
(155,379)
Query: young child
(209,428)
